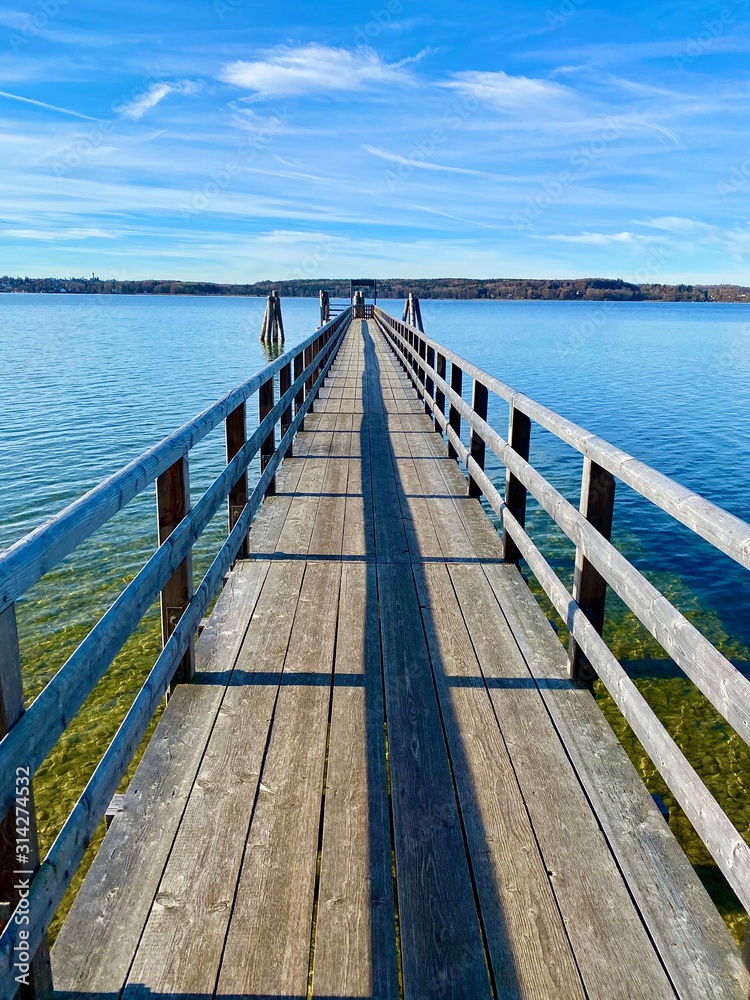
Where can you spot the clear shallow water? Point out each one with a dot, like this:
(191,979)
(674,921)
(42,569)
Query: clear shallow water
(88,382)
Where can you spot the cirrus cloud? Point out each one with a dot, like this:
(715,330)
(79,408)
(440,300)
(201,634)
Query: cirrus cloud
(509,93)
(290,71)
(137,106)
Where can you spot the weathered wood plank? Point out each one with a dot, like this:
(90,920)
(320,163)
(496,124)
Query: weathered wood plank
(441,940)
(277,881)
(355,940)
(98,940)
(199,882)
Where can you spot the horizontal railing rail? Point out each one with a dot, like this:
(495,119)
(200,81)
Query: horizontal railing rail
(598,563)
(30,735)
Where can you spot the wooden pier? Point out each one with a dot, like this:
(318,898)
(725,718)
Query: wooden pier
(379,774)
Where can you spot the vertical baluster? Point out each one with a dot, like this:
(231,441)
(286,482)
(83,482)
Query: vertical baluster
(477,446)
(519,438)
(236,437)
(454,417)
(439,394)
(429,383)
(589,587)
(18,831)
(265,405)
(309,355)
(285,384)
(172,505)
(422,354)
(299,398)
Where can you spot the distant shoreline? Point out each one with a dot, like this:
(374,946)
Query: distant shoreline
(572,289)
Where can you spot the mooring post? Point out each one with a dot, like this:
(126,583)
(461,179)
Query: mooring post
(477,446)
(273,324)
(519,438)
(265,405)
(439,394)
(285,384)
(589,586)
(236,430)
(454,417)
(325,308)
(172,505)
(19,845)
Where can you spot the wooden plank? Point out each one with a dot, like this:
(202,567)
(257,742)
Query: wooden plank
(355,940)
(692,939)
(529,951)
(441,940)
(96,945)
(277,880)
(172,505)
(199,882)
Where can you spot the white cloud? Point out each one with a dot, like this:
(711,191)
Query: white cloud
(50,235)
(308,69)
(418,164)
(510,93)
(138,105)
(605,239)
(47,107)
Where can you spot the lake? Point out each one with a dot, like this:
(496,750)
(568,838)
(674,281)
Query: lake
(87,382)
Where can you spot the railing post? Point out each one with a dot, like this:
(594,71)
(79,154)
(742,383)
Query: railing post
(422,355)
(454,416)
(265,405)
(19,847)
(238,495)
(172,505)
(478,447)
(309,355)
(589,587)
(519,438)
(429,383)
(285,384)
(439,394)
(299,398)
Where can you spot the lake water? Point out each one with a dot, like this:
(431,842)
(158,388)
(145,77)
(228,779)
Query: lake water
(87,382)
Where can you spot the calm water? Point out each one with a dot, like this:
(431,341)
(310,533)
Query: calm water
(88,382)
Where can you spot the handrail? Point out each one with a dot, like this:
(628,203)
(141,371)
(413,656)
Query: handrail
(723,530)
(38,552)
(31,734)
(727,689)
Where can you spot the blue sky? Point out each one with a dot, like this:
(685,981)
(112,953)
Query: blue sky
(233,140)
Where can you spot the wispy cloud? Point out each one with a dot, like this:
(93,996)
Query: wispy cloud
(48,107)
(510,93)
(62,235)
(405,161)
(310,69)
(137,106)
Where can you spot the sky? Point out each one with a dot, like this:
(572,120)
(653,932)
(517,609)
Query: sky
(226,140)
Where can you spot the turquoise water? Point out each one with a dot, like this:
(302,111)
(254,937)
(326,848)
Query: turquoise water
(88,382)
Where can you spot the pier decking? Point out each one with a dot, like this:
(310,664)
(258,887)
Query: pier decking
(381,780)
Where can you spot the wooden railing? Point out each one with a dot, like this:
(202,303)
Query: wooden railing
(33,889)
(598,563)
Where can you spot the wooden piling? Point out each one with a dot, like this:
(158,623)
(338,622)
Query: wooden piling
(272,329)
